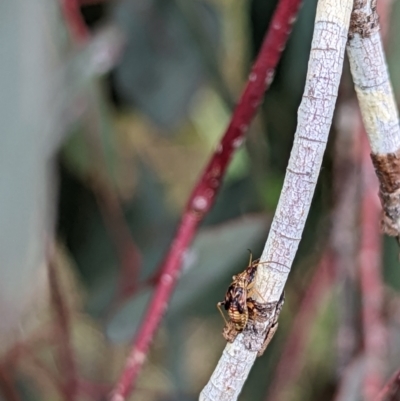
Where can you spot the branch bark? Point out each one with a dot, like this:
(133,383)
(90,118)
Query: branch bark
(314,122)
(378,107)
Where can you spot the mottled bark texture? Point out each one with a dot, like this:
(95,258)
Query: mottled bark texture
(363,22)
(378,107)
(387,168)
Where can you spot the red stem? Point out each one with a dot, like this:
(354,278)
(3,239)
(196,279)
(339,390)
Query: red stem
(66,354)
(127,252)
(391,391)
(203,195)
(374,332)
(345,232)
(291,360)
(74,20)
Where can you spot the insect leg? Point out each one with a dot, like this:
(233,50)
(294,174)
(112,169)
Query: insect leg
(252,291)
(270,333)
(258,293)
(220,311)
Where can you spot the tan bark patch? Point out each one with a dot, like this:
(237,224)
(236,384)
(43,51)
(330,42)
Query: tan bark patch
(387,169)
(362,22)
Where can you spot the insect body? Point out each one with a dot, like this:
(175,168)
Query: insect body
(235,304)
(236,298)
(246,312)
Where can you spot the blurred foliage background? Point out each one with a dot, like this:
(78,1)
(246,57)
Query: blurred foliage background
(132,143)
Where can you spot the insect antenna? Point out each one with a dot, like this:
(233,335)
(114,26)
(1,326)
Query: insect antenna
(251,257)
(258,293)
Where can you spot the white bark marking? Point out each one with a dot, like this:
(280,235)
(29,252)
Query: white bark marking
(374,92)
(314,121)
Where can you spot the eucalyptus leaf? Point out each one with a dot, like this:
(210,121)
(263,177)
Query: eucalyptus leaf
(162,67)
(73,84)
(92,149)
(125,322)
(29,55)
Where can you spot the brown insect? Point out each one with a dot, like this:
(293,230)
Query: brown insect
(237,297)
(243,309)
(258,312)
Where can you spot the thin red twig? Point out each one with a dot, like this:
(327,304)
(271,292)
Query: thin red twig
(74,20)
(290,362)
(391,391)
(345,242)
(111,209)
(384,8)
(204,193)
(374,332)
(66,353)
(369,257)
(128,253)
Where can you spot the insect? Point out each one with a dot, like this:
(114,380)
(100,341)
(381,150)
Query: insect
(237,297)
(243,309)
(258,312)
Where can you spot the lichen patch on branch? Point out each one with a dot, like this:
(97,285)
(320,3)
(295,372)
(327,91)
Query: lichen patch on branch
(387,169)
